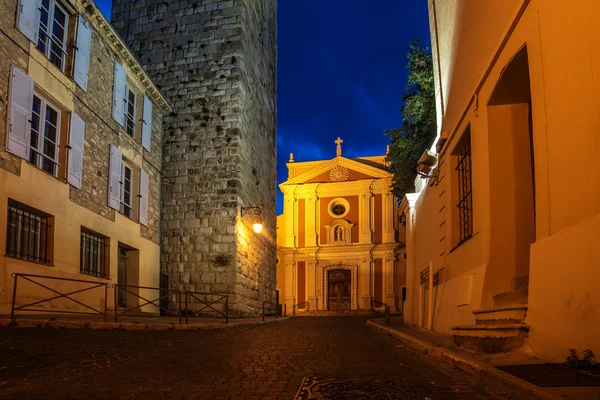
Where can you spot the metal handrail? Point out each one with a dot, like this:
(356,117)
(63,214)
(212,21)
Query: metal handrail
(147,302)
(59,295)
(207,304)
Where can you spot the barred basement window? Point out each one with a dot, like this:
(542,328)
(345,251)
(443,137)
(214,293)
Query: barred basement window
(93,254)
(465,196)
(28,233)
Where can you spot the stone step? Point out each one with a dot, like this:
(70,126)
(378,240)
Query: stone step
(521,282)
(510,298)
(491,338)
(502,315)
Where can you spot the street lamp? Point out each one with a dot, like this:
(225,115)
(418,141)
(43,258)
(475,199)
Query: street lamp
(257,225)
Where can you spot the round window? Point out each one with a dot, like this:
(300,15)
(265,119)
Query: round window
(338,208)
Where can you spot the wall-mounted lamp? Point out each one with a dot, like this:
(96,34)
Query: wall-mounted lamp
(426,164)
(257,225)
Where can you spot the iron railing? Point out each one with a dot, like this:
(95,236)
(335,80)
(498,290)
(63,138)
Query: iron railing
(133,290)
(58,295)
(206,304)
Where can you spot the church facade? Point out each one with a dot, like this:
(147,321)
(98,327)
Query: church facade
(338,240)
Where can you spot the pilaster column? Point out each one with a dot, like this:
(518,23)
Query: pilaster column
(388,217)
(389,281)
(365,282)
(365,212)
(290,283)
(290,216)
(311,281)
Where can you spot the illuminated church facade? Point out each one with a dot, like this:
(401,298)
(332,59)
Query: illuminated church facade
(338,240)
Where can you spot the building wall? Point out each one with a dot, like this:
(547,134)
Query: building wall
(70,207)
(470,59)
(216,63)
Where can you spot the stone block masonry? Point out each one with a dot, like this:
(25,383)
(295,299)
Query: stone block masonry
(215,62)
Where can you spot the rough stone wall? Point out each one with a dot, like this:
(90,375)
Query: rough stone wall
(95,108)
(12,52)
(214,60)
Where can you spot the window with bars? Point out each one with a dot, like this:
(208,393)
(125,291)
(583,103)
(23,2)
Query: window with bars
(52,33)
(93,254)
(29,233)
(462,152)
(45,135)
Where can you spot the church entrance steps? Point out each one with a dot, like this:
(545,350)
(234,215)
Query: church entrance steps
(493,338)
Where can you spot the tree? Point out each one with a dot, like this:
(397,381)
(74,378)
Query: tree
(418,129)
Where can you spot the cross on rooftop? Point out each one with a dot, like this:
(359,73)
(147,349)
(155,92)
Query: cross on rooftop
(338,151)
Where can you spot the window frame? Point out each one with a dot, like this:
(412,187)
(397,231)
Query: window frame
(127,209)
(464,186)
(48,33)
(38,149)
(129,119)
(91,242)
(22,215)
(341,202)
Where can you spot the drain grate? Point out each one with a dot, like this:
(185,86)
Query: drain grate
(350,389)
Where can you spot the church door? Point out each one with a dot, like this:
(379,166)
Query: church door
(339,289)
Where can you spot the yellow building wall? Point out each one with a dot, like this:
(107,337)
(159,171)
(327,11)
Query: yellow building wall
(46,193)
(564,65)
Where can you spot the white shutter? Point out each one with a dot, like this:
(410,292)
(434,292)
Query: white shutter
(82,55)
(119,93)
(114,178)
(143,197)
(147,126)
(75,169)
(27,16)
(19,119)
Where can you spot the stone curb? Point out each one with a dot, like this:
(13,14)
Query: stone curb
(126,326)
(474,367)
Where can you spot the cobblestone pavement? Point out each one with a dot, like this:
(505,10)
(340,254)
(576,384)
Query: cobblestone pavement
(264,362)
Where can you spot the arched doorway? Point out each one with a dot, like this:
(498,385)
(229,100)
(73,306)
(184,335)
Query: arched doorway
(339,289)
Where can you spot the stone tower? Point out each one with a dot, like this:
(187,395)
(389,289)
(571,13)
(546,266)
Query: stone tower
(215,62)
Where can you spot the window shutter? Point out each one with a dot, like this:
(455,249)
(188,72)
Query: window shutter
(27,18)
(75,169)
(143,197)
(114,178)
(19,121)
(147,126)
(119,93)
(82,55)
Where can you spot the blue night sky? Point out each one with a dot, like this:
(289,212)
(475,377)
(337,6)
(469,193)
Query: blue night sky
(341,72)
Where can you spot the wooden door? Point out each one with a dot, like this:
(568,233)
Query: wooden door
(339,290)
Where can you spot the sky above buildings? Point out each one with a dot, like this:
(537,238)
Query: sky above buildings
(341,72)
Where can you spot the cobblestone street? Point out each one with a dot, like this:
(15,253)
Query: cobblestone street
(264,362)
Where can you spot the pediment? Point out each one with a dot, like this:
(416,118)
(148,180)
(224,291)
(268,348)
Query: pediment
(340,169)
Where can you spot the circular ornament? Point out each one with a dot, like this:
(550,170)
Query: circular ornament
(339,174)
